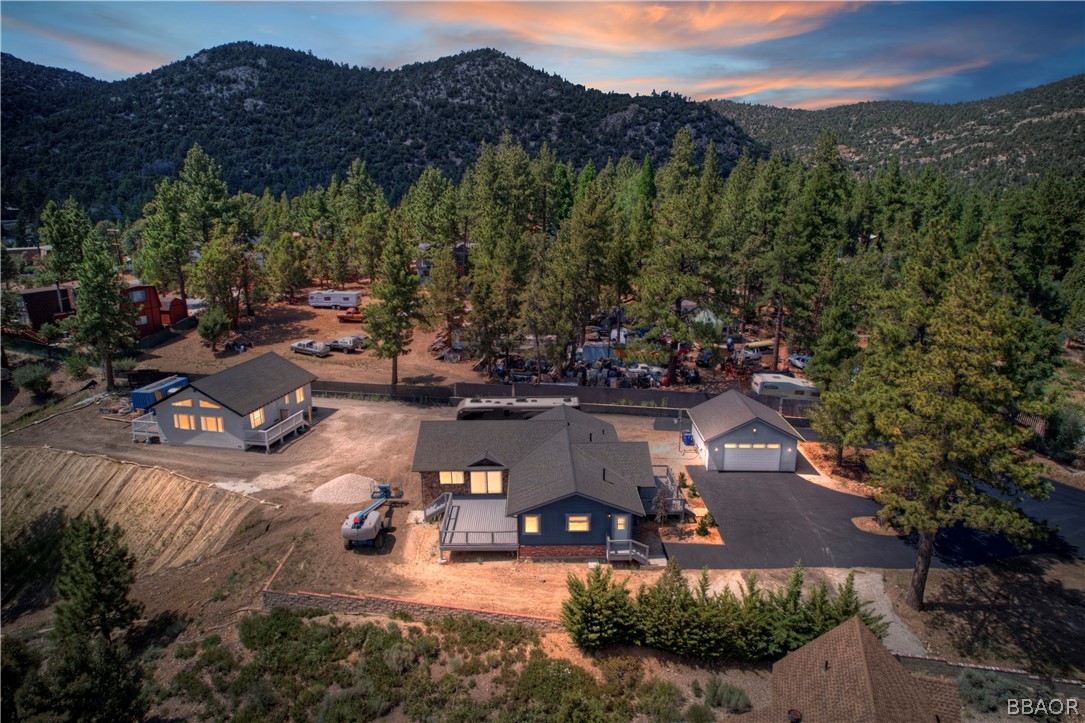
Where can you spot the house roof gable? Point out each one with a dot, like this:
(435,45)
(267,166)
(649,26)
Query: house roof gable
(248,386)
(733,409)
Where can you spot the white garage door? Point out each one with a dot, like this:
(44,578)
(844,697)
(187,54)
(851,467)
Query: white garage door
(751,458)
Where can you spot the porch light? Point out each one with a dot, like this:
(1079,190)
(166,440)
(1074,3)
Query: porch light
(755,430)
(715,449)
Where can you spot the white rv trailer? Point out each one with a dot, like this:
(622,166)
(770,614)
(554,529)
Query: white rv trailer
(334,299)
(511,407)
(779,385)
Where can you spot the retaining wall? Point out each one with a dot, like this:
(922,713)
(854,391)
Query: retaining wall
(949,669)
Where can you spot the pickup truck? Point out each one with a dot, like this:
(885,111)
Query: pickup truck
(347,344)
(353,315)
(310,347)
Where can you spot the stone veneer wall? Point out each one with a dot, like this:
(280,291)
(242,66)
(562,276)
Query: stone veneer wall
(375,604)
(562,551)
(432,487)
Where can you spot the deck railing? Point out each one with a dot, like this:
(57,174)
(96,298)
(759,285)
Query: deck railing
(267,437)
(145,427)
(437,507)
(627,550)
(468,539)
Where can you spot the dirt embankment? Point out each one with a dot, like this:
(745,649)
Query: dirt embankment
(168,520)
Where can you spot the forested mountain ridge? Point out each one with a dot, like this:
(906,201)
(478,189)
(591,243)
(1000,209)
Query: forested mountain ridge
(998,141)
(287,120)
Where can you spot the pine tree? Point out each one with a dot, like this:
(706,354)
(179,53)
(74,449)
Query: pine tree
(202,195)
(398,307)
(65,229)
(104,322)
(939,395)
(165,250)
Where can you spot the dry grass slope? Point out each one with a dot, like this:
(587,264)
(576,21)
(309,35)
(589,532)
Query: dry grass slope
(168,520)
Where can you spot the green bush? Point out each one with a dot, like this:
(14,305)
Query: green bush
(683,481)
(184,651)
(699,713)
(361,702)
(598,612)
(50,331)
(213,326)
(1065,433)
(125,364)
(34,378)
(702,527)
(693,490)
(731,698)
(76,365)
(399,657)
(661,701)
(696,689)
(709,519)
(984,690)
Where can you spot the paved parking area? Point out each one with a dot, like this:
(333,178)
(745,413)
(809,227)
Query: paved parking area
(773,519)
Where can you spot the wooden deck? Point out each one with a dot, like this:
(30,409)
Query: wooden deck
(275,433)
(478,523)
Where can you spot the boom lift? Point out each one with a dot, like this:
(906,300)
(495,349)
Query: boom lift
(367,527)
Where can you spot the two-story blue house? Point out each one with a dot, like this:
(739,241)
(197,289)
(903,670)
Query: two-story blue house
(558,485)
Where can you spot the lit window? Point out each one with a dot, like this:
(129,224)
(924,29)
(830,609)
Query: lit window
(730,445)
(256,418)
(184,421)
(486,482)
(211,424)
(299,395)
(773,446)
(621,522)
(286,399)
(758,446)
(204,404)
(532,524)
(578,523)
(745,446)
(452,478)
(183,403)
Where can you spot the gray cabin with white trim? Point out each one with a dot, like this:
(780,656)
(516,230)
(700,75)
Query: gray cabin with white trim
(253,404)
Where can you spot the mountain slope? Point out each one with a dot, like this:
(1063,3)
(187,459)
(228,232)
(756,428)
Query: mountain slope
(287,120)
(997,141)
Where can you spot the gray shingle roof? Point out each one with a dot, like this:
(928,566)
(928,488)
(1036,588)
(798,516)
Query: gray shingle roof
(733,409)
(252,384)
(556,454)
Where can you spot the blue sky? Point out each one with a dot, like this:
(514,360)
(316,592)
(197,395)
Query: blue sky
(798,54)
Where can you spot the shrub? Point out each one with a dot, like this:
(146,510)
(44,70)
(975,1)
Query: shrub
(693,490)
(661,701)
(50,331)
(1065,433)
(699,713)
(34,378)
(125,364)
(984,690)
(76,365)
(399,658)
(731,698)
(709,519)
(358,703)
(213,325)
(185,651)
(683,481)
(598,612)
(696,689)
(702,526)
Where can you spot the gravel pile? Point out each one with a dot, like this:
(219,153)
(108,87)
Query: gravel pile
(344,490)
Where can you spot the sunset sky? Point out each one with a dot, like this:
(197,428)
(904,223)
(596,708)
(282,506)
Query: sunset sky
(798,54)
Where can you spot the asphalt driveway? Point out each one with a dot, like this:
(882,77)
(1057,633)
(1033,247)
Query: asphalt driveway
(773,519)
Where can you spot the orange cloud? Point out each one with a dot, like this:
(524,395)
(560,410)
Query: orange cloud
(747,85)
(627,28)
(100,53)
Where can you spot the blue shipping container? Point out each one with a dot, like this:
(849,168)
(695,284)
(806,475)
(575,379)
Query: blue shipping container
(145,397)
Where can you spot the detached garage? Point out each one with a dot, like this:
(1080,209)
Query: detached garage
(734,433)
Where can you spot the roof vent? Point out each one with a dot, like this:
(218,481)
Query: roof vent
(826,665)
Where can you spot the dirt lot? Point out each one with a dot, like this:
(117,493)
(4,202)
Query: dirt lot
(280,324)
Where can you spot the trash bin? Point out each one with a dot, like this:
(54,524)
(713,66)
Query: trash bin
(687,439)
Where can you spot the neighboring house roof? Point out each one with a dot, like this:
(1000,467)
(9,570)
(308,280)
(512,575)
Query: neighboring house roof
(43,289)
(732,410)
(557,454)
(848,675)
(252,384)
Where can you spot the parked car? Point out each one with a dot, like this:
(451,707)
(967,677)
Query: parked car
(310,347)
(705,356)
(642,369)
(799,361)
(750,355)
(348,344)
